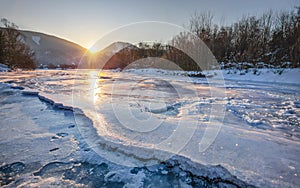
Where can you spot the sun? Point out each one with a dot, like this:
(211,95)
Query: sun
(93,50)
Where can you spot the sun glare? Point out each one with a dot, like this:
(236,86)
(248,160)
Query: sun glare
(93,50)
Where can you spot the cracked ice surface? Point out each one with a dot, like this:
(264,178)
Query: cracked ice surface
(258,142)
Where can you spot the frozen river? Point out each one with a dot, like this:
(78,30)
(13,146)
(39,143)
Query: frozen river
(140,118)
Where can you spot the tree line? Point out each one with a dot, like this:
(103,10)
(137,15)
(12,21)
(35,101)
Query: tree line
(272,38)
(13,51)
(140,56)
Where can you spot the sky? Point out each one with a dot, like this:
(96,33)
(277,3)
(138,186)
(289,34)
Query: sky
(84,22)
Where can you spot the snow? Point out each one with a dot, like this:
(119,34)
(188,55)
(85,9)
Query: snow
(291,76)
(258,140)
(4,68)
(41,147)
(36,39)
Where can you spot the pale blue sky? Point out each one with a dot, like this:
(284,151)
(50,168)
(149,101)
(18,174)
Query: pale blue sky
(84,22)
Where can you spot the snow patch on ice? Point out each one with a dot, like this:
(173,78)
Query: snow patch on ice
(36,39)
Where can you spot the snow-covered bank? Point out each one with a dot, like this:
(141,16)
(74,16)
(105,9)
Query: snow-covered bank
(272,75)
(291,76)
(4,68)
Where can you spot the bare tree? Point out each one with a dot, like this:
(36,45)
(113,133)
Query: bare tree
(14,52)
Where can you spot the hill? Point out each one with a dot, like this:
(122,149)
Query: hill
(52,51)
(101,59)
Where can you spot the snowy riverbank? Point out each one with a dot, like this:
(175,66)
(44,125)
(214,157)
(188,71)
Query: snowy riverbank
(289,76)
(4,68)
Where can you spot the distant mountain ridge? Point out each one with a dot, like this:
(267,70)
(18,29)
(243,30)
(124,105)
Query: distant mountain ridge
(52,50)
(102,59)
